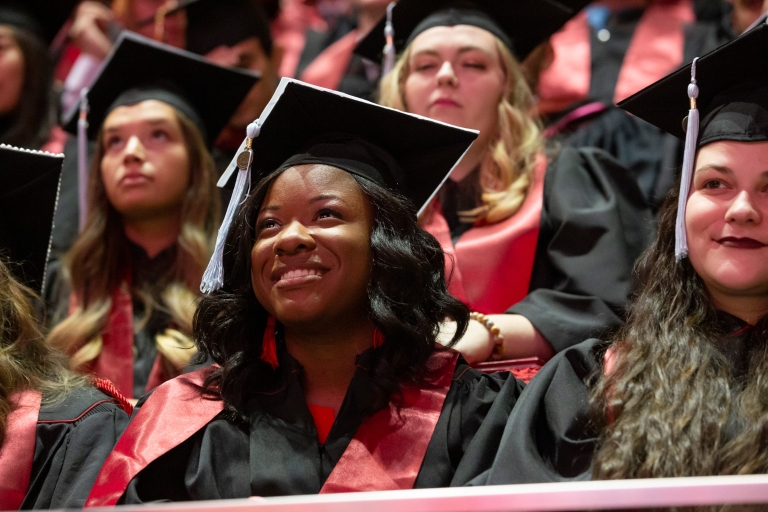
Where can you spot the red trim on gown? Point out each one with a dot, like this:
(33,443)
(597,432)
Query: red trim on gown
(656,50)
(18,451)
(329,67)
(115,361)
(386,452)
(492,263)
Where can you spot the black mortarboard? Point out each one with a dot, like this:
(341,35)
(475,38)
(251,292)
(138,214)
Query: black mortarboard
(43,18)
(305,124)
(140,69)
(29,189)
(212,23)
(520,24)
(727,89)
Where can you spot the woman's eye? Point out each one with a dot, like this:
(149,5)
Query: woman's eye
(267,224)
(713,184)
(160,135)
(475,65)
(327,213)
(112,142)
(425,66)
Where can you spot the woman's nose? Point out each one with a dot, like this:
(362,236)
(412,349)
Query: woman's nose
(446,75)
(293,239)
(743,210)
(134,150)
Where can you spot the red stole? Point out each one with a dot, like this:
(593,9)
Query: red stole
(386,452)
(18,450)
(492,263)
(115,361)
(655,51)
(329,67)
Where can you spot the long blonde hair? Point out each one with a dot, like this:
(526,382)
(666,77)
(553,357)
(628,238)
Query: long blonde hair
(506,170)
(26,362)
(96,264)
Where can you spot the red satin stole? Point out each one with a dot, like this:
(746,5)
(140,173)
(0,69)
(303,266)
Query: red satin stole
(329,67)
(655,51)
(18,450)
(386,452)
(492,263)
(115,361)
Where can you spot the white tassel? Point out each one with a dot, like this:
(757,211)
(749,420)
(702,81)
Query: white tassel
(213,278)
(82,159)
(689,158)
(388,62)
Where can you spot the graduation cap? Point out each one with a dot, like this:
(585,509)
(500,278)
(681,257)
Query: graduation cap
(140,69)
(305,124)
(726,88)
(29,190)
(520,24)
(43,18)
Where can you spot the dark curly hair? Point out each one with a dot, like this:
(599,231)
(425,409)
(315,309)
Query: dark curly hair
(407,300)
(677,406)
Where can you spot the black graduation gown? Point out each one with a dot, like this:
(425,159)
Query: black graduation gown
(594,224)
(74,438)
(651,156)
(275,451)
(549,437)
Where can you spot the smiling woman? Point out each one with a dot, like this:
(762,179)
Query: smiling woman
(328,377)
(681,390)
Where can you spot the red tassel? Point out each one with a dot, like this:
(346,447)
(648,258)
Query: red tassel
(268,349)
(378,338)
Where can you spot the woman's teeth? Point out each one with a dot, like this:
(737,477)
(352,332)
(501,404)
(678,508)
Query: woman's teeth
(293,274)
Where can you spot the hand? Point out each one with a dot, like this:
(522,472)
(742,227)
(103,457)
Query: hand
(476,345)
(89,28)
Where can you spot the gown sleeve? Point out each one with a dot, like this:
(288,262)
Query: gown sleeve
(595,223)
(468,432)
(549,437)
(73,440)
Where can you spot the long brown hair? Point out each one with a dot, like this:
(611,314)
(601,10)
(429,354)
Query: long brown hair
(506,171)
(677,406)
(95,266)
(26,361)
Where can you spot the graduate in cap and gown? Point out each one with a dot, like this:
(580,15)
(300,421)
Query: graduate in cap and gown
(680,390)
(28,103)
(541,246)
(56,429)
(322,320)
(124,294)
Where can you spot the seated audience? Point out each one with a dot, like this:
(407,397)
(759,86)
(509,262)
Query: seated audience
(125,292)
(56,429)
(323,326)
(28,107)
(542,245)
(680,390)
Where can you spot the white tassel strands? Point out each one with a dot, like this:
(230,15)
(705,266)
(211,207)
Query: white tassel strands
(689,158)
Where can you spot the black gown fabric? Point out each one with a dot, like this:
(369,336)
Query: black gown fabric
(549,436)
(146,274)
(274,449)
(650,155)
(74,438)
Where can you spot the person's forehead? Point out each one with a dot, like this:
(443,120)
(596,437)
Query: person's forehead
(314,180)
(144,111)
(458,36)
(739,157)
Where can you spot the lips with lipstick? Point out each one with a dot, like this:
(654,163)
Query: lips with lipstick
(446,102)
(740,243)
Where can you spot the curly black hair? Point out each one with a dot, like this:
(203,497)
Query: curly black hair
(407,301)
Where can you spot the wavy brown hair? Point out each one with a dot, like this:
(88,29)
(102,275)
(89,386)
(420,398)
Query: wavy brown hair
(677,406)
(96,264)
(26,361)
(506,171)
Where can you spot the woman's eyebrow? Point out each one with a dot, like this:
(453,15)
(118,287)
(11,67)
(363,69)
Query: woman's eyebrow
(719,168)
(323,197)
(153,122)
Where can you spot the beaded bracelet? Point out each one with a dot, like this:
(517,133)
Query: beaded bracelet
(496,336)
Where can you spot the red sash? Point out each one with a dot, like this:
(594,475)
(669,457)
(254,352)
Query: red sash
(115,361)
(329,67)
(492,263)
(386,452)
(655,51)
(18,450)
